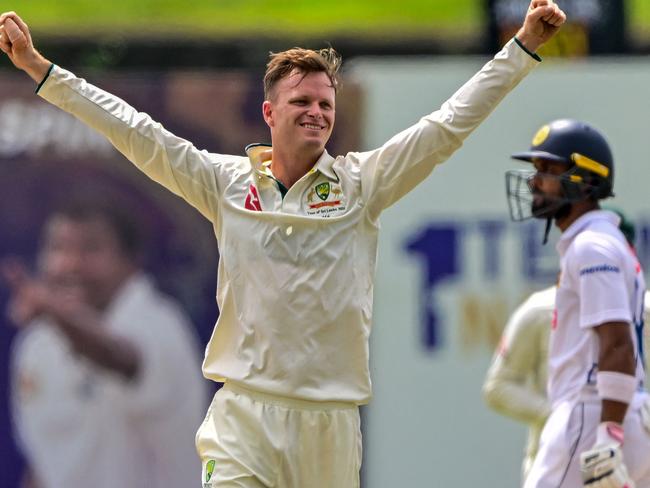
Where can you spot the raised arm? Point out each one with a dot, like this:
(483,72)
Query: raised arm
(389,172)
(167,159)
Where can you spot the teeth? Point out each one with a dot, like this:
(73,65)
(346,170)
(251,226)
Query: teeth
(312,126)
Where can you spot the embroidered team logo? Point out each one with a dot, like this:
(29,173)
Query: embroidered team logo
(209,471)
(323,190)
(325,199)
(253,200)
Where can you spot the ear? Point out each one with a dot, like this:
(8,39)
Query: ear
(267,113)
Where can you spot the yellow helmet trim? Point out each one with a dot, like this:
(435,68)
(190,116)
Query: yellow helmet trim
(589,164)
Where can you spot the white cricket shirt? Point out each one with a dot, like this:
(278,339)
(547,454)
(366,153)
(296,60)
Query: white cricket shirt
(82,426)
(296,274)
(601,281)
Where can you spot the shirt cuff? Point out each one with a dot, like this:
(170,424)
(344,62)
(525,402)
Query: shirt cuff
(47,75)
(533,55)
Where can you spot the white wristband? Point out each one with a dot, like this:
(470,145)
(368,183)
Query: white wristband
(609,433)
(616,386)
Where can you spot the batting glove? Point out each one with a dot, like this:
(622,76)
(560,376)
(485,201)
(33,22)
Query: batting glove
(602,466)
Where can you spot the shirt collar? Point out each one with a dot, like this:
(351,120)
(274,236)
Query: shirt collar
(256,153)
(325,165)
(581,223)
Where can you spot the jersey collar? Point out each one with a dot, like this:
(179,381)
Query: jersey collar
(325,165)
(581,223)
(260,160)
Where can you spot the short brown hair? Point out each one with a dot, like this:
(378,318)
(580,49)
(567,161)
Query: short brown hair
(306,61)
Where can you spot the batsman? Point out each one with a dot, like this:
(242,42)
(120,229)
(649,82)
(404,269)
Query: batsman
(296,274)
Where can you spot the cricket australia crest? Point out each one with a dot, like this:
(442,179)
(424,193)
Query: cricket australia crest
(325,199)
(323,190)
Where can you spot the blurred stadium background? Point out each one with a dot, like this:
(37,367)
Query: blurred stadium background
(451,265)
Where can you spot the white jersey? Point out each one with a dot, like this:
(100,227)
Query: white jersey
(295,281)
(515,384)
(601,281)
(83,426)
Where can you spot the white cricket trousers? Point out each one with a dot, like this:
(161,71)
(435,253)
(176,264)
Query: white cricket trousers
(571,430)
(255,440)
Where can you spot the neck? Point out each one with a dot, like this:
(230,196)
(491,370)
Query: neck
(290,166)
(578,209)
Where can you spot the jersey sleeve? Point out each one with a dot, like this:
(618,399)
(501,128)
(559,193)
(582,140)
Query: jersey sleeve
(389,172)
(167,159)
(601,276)
(508,387)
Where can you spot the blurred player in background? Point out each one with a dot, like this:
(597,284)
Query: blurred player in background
(515,384)
(595,433)
(105,383)
(297,232)
(516,381)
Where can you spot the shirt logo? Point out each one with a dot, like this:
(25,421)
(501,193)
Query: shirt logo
(253,200)
(325,199)
(323,190)
(209,470)
(600,268)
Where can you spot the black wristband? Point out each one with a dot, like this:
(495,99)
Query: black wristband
(47,75)
(532,55)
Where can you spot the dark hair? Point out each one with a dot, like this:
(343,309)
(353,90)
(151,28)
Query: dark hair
(122,223)
(306,61)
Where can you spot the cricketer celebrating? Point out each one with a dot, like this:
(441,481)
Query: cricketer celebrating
(295,275)
(594,434)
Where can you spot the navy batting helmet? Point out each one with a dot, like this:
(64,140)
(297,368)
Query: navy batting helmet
(579,146)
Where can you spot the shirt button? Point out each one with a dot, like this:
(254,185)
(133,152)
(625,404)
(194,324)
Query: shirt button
(289,230)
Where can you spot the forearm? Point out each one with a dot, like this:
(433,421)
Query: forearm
(477,98)
(37,67)
(612,410)
(616,357)
(515,400)
(88,337)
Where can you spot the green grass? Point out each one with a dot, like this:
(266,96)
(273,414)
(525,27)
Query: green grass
(231,18)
